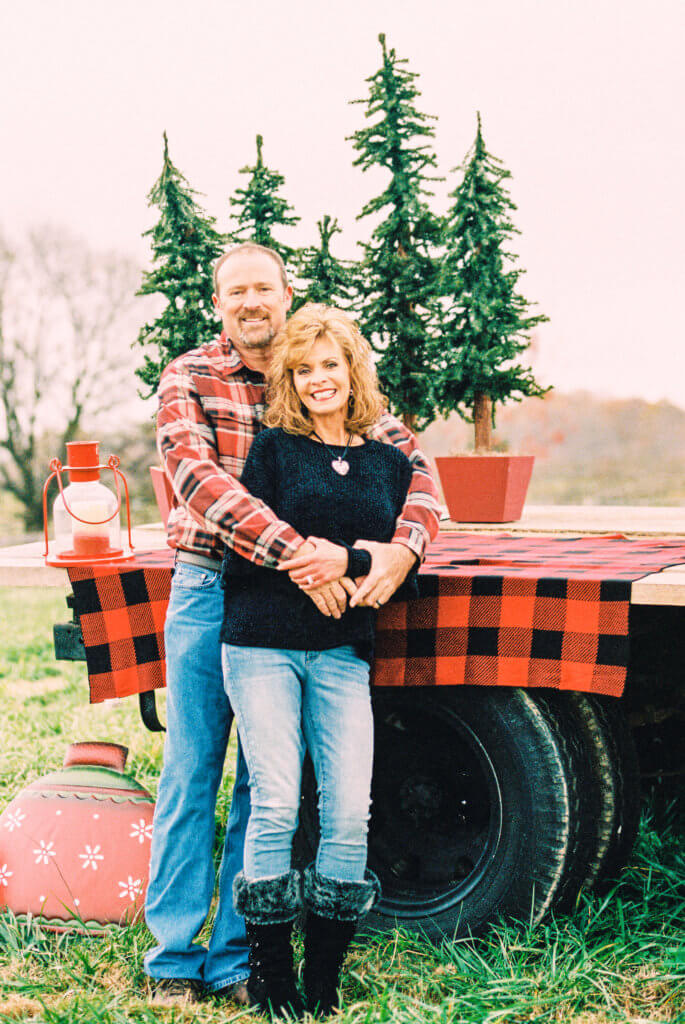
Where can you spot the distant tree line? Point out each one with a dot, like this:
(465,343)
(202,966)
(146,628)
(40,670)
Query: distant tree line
(435,295)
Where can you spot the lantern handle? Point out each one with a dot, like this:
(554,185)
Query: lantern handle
(113,463)
(91,522)
(55,466)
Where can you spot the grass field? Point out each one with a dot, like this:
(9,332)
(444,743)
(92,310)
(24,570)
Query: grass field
(618,958)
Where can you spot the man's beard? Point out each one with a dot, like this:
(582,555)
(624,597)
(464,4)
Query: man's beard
(261,341)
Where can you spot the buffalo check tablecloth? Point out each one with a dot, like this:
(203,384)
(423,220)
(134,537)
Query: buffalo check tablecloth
(497,610)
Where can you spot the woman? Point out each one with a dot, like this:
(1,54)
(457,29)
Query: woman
(298,679)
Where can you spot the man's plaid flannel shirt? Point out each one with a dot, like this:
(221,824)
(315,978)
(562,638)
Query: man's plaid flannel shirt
(210,410)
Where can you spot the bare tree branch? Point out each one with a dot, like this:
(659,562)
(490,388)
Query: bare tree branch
(67,320)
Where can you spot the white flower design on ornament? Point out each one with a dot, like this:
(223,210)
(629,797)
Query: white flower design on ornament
(14,819)
(140,831)
(131,888)
(91,857)
(44,852)
(5,874)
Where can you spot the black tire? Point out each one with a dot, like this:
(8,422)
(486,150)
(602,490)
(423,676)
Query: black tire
(628,800)
(470,819)
(601,756)
(590,780)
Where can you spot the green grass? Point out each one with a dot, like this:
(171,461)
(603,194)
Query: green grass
(616,958)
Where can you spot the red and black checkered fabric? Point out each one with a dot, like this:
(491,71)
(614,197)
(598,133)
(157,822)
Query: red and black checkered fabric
(122,611)
(493,610)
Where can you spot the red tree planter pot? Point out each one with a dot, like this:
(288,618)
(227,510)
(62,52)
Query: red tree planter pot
(485,488)
(75,845)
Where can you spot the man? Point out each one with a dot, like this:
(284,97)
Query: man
(210,405)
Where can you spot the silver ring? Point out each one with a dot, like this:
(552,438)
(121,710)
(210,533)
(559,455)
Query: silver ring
(309,580)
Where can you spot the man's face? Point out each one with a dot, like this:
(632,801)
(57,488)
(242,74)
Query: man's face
(251,301)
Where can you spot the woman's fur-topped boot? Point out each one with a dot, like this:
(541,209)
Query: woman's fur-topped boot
(270,906)
(333,912)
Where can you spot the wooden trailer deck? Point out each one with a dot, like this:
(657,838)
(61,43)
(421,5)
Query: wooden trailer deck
(23,566)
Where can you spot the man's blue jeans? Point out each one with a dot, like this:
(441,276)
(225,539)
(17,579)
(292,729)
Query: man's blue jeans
(199,719)
(286,701)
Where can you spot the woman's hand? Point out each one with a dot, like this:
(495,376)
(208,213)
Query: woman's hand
(317,562)
(351,586)
(331,598)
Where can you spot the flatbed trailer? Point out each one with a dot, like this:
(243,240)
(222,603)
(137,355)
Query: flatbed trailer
(498,801)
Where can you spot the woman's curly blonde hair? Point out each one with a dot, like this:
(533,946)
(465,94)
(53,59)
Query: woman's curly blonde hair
(292,345)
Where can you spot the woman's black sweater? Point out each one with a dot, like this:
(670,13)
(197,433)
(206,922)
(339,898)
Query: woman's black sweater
(293,475)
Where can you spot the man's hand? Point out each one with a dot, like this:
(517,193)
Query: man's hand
(316,562)
(390,564)
(331,598)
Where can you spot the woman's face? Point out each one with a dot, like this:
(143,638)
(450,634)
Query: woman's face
(322,380)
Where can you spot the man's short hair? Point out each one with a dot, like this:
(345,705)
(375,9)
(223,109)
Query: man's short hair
(250,247)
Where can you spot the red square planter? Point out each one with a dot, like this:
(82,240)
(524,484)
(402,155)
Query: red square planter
(485,488)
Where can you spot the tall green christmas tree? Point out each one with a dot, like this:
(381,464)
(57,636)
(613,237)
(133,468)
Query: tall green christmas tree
(258,208)
(488,322)
(329,280)
(399,270)
(185,244)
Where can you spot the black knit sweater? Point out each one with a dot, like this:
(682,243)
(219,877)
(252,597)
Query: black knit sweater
(293,475)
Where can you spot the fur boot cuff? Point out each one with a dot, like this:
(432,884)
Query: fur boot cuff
(268,900)
(345,901)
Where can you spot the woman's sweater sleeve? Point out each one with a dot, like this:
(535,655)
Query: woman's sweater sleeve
(358,560)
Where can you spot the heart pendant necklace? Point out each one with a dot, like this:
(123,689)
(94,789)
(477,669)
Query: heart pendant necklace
(338,462)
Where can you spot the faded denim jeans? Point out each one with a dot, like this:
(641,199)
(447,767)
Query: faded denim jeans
(287,701)
(199,719)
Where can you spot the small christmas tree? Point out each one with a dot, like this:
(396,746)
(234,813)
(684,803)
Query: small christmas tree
(258,208)
(185,244)
(330,280)
(399,270)
(488,323)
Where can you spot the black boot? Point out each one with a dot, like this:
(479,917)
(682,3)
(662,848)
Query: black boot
(333,912)
(270,906)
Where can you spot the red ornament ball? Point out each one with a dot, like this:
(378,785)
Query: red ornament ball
(75,844)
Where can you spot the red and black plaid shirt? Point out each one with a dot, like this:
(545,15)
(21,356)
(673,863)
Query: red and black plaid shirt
(210,410)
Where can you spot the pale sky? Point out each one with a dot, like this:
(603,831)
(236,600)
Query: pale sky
(582,100)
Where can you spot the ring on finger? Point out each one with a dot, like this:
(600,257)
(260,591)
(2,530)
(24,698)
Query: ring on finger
(309,580)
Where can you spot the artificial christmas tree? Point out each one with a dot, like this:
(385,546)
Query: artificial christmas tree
(185,244)
(487,324)
(329,280)
(399,312)
(258,208)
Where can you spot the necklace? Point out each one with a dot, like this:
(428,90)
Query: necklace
(338,462)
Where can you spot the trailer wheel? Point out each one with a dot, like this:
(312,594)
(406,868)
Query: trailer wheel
(601,758)
(471,817)
(626,771)
(590,780)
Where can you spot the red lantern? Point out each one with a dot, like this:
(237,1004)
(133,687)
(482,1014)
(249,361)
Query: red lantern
(86,513)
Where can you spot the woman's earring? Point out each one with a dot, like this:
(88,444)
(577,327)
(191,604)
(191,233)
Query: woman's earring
(350,400)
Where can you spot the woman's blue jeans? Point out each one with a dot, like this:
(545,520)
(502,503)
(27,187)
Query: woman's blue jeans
(286,701)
